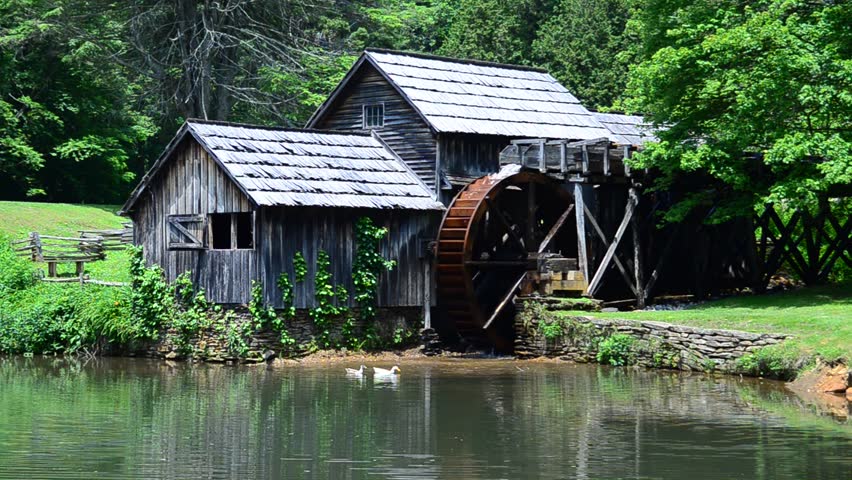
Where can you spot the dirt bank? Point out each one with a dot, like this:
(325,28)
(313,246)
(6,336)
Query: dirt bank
(829,387)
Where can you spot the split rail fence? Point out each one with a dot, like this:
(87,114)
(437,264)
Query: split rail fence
(90,246)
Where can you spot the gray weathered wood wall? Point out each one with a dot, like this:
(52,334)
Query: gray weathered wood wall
(192,183)
(404,131)
(286,231)
(471,155)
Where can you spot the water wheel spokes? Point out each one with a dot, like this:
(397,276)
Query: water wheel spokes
(490,238)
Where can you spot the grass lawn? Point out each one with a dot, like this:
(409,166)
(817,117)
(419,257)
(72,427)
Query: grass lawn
(17,219)
(820,318)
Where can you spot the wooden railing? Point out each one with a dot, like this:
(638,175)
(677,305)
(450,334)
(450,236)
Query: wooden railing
(90,246)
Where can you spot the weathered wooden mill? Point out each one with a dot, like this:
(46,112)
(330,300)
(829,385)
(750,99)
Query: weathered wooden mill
(535,193)
(529,228)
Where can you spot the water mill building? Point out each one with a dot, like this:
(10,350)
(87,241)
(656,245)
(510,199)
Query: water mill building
(414,142)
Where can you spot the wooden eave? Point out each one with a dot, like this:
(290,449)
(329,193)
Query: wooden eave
(170,149)
(323,109)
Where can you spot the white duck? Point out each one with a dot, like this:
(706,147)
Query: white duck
(351,372)
(385,373)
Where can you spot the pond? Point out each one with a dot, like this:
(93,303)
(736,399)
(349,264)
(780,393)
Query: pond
(453,419)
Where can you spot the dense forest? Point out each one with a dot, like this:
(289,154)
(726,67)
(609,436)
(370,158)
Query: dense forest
(755,94)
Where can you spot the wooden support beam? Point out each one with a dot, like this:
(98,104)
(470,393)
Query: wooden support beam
(542,162)
(492,207)
(602,236)
(531,207)
(555,229)
(496,263)
(427,294)
(836,248)
(563,158)
(624,160)
(610,252)
(607,171)
(505,301)
(579,211)
(638,274)
(585,149)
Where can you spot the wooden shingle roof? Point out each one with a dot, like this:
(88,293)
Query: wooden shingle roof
(626,129)
(465,96)
(296,168)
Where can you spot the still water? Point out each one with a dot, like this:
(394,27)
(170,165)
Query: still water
(453,419)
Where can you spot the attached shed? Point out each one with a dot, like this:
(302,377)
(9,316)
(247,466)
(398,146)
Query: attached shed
(450,118)
(234,203)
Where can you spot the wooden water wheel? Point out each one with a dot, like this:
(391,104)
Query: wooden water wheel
(491,237)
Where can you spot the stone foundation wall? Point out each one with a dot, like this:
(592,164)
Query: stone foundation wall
(211,344)
(655,344)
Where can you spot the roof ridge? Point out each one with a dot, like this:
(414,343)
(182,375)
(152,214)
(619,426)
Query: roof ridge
(471,61)
(276,129)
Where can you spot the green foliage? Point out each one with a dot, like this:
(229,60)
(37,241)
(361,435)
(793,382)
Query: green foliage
(151,298)
(617,350)
(50,318)
(191,314)
(327,297)
(300,267)
(494,30)
(782,362)
(309,88)
(16,273)
(264,316)
(69,127)
(583,43)
(368,266)
(754,96)
(400,24)
(236,334)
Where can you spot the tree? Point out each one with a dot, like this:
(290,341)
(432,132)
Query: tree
(583,44)
(208,59)
(68,126)
(756,95)
(495,30)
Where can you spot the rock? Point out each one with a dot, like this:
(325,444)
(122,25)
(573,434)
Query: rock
(849,394)
(833,380)
(172,356)
(269,355)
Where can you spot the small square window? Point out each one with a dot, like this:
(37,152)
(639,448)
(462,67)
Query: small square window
(229,231)
(374,115)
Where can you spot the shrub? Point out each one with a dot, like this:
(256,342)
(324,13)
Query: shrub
(782,362)
(16,273)
(617,350)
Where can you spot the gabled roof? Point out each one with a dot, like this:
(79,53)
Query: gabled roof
(466,96)
(299,168)
(626,129)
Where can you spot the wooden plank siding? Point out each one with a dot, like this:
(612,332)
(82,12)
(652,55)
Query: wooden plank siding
(284,231)
(404,130)
(192,183)
(471,155)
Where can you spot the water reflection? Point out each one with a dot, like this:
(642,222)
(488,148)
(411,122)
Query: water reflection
(448,419)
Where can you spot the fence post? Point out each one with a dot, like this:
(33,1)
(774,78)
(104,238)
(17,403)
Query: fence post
(38,255)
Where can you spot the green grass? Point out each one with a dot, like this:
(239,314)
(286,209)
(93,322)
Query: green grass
(17,219)
(820,318)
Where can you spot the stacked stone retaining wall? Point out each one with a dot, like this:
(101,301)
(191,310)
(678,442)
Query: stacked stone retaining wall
(655,344)
(211,344)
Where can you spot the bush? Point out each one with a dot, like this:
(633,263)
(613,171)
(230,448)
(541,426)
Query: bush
(617,350)
(65,318)
(782,362)
(16,273)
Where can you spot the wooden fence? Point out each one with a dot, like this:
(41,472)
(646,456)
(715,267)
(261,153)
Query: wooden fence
(90,246)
